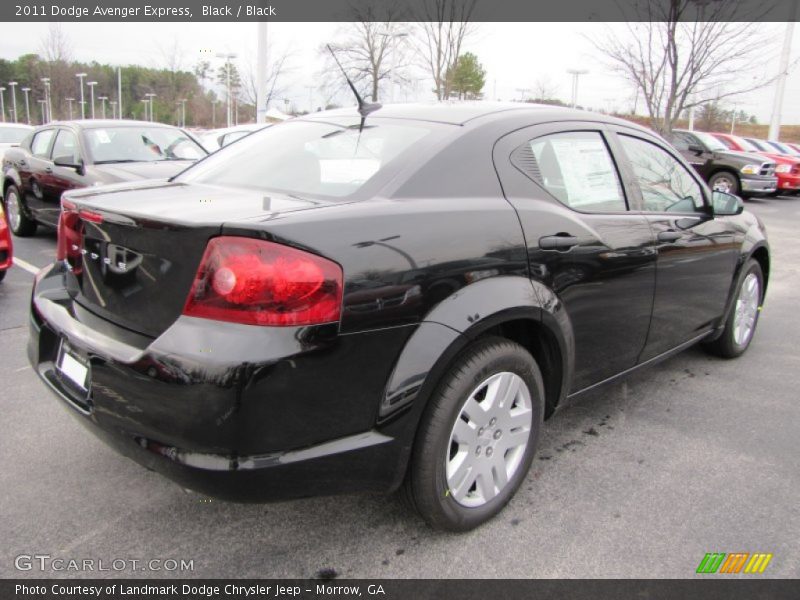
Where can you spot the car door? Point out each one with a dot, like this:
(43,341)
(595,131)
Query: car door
(60,179)
(37,170)
(583,242)
(696,252)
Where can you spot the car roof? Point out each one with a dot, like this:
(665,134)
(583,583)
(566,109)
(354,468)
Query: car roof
(101,123)
(464,112)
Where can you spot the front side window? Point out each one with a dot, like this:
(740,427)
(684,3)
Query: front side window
(140,144)
(709,141)
(311,158)
(576,167)
(665,183)
(41,143)
(681,141)
(66,147)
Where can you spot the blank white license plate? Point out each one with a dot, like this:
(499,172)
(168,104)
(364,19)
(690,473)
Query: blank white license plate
(73,368)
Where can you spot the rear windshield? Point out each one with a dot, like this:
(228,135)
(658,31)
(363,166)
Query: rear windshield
(312,158)
(140,144)
(13,135)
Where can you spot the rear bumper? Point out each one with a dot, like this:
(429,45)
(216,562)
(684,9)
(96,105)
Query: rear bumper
(759,186)
(236,412)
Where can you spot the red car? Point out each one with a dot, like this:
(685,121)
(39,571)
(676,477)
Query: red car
(787,171)
(6,253)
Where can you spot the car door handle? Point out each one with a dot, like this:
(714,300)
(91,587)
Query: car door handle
(669,236)
(48,170)
(557,242)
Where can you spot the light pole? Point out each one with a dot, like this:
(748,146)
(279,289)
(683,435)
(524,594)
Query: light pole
(91,85)
(83,102)
(25,91)
(214,113)
(69,103)
(228,56)
(3,102)
(103,100)
(113,104)
(146,103)
(48,106)
(310,89)
(43,107)
(575,74)
(13,86)
(393,37)
(182,102)
(151,96)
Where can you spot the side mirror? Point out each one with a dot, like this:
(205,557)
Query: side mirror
(725,204)
(697,149)
(69,162)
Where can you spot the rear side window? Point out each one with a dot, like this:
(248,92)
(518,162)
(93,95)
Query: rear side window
(665,183)
(575,167)
(41,143)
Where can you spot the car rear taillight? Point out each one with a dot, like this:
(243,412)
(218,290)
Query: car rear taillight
(256,282)
(70,236)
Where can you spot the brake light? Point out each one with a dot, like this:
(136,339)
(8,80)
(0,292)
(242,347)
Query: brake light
(256,282)
(70,236)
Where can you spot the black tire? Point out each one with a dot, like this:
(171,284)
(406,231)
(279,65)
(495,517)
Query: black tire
(2,275)
(725,181)
(726,345)
(23,227)
(425,488)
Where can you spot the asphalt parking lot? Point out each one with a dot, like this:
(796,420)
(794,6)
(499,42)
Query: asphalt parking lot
(640,479)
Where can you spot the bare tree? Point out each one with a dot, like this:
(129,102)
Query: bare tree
(544,89)
(443,27)
(55,45)
(276,69)
(56,49)
(372,49)
(680,54)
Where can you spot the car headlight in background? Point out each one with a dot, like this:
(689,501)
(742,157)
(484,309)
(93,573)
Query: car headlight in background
(751,169)
(783,168)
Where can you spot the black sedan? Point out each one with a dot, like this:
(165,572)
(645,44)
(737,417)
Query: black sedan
(344,303)
(67,155)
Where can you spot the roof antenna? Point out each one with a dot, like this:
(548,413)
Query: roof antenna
(364,108)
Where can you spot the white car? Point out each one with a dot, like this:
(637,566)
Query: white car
(11,134)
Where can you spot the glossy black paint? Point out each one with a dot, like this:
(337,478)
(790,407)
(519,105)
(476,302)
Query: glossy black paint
(447,251)
(41,180)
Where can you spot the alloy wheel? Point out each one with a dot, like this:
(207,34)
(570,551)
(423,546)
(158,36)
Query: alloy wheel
(12,208)
(746,310)
(488,440)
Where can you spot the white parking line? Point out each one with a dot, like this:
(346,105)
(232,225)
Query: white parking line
(23,264)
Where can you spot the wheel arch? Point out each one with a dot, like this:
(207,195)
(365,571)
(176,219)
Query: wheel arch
(761,255)
(11,177)
(726,169)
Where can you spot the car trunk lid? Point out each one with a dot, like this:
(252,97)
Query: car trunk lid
(135,249)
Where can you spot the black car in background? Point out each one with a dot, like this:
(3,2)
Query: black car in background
(344,303)
(738,173)
(67,155)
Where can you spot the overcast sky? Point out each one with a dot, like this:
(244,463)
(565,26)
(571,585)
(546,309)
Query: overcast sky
(515,55)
